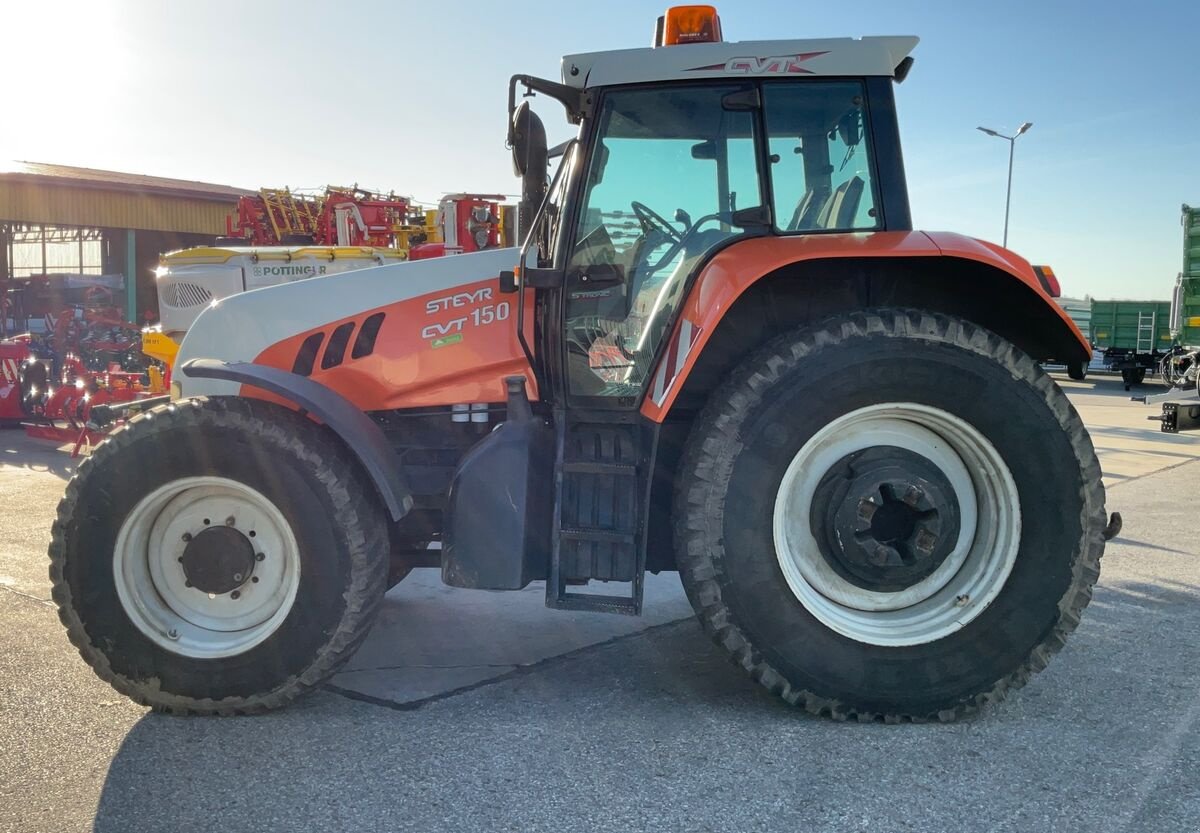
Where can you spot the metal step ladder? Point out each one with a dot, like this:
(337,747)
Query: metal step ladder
(290,214)
(598,535)
(1146,330)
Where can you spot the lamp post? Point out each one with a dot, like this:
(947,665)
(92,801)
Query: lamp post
(1012,144)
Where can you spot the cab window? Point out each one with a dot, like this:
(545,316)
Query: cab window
(821,156)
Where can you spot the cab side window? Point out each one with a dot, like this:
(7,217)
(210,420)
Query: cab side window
(820,155)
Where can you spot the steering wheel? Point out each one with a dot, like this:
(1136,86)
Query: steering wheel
(651,220)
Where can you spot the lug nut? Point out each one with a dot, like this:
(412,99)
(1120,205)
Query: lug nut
(913,496)
(172,634)
(881,556)
(230,521)
(235,594)
(259,556)
(187,536)
(237,576)
(254,579)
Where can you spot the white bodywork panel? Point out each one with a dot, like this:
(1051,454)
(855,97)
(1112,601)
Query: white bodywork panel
(854,57)
(187,285)
(240,327)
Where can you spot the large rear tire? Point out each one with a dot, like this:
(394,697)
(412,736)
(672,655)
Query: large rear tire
(218,556)
(894,515)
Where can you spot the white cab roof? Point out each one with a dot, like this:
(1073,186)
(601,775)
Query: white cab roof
(854,57)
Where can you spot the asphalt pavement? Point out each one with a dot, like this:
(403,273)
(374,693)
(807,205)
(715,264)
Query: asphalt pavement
(483,711)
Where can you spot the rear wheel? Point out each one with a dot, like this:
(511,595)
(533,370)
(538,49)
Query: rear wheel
(218,556)
(1133,376)
(1077,371)
(895,515)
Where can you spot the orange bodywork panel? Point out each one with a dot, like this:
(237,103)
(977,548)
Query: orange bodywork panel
(446,347)
(734,269)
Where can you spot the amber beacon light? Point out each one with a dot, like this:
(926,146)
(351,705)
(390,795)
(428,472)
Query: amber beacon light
(688,24)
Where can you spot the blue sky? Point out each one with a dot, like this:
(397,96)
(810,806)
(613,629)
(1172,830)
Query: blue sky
(411,96)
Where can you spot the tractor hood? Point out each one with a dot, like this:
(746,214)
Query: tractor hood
(243,327)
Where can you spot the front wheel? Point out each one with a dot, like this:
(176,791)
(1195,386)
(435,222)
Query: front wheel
(895,515)
(218,556)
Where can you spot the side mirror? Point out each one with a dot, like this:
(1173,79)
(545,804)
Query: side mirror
(529,152)
(683,217)
(530,158)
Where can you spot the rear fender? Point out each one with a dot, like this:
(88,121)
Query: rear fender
(739,267)
(361,435)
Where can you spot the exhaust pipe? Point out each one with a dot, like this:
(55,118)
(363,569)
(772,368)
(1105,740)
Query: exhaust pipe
(102,416)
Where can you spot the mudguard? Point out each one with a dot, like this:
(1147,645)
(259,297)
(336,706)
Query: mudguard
(364,438)
(736,268)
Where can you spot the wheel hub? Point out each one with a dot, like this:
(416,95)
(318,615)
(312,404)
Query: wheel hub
(885,518)
(218,560)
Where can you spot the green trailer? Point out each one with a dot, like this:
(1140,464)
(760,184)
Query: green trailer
(1131,336)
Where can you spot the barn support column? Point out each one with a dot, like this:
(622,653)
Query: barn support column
(131,275)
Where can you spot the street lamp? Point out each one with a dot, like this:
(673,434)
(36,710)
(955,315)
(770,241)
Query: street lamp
(1012,143)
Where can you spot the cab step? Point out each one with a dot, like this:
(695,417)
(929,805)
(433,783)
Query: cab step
(597,518)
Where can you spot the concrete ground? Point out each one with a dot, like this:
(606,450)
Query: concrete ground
(478,711)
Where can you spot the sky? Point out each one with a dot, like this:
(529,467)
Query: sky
(411,97)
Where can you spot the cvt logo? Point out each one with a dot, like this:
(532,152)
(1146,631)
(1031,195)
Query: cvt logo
(774,65)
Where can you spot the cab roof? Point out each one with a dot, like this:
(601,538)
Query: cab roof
(852,57)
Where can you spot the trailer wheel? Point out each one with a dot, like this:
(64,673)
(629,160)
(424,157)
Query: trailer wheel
(1133,376)
(894,515)
(218,556)
(1077,371)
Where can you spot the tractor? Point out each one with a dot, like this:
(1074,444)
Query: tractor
(721,349)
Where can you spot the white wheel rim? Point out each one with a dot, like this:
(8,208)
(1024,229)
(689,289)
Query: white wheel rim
(962,586)
(152,585)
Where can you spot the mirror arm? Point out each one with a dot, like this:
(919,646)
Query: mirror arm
(575,101)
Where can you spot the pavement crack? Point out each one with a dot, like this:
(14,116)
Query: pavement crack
(407,666)
(1136,477)
(517,671)
(15,592)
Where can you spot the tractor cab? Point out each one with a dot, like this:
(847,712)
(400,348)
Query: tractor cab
(684,149)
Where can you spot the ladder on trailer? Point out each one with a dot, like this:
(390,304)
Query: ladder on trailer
(1146,330)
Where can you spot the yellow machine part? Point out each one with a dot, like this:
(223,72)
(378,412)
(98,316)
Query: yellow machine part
(508,226)
(162,347)
(157,384)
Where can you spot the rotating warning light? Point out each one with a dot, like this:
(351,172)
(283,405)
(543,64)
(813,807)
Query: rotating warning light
(688,24)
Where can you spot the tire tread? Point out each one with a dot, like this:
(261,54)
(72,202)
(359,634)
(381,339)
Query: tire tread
(715,437)
(296,435)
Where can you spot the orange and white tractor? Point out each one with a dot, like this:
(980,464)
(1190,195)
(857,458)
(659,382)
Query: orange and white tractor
(722,350)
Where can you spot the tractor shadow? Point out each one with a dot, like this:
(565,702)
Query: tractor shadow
(18,450)
(649,719)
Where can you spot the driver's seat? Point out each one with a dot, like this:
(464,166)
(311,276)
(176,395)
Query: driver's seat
(841,208)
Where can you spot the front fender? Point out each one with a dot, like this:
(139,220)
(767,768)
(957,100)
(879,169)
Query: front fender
(362,436)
